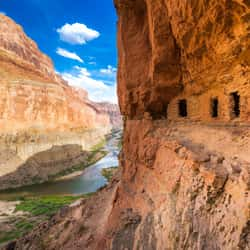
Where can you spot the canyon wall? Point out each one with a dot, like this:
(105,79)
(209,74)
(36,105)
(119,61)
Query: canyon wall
(184,89)
(38,109)
(171,50)
(113,111)
(185,163)
(186,176)
(33,96)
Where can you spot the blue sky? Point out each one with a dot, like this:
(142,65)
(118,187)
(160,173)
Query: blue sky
(79,36)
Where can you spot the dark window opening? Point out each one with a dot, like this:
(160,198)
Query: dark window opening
(166,110)
(235,104)
(214,107)
(183,108)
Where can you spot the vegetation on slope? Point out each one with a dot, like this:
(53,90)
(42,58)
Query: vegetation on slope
(94,155)
(108,173)
(33,210)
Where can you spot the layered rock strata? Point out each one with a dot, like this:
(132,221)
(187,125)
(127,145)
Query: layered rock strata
(33,96)
(112,111)
(38,109)
(185,161)
(35,158)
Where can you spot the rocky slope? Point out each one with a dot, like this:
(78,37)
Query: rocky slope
(38,109)
(185,179)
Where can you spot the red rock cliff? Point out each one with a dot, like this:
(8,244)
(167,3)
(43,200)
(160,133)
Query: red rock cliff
(32,94)
(184,89)
(38,109)
(15,42)
(171,47)
(185,161)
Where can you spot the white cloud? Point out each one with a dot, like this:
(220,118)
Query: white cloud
(77,33)
(98,91)
(110,70)
(82,71)
(68,54)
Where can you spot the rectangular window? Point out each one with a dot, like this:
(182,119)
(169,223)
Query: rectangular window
(235,104)
(214,107)
(183,108)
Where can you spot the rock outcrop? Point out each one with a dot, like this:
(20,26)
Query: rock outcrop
(38,109)
(185,161)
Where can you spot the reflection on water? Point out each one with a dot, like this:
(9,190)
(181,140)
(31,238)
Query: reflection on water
(89,181)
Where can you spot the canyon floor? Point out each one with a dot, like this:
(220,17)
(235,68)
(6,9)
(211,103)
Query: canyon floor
(185,177)
(24,208)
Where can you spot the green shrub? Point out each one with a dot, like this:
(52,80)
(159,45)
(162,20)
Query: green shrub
(47,205)
(108,173)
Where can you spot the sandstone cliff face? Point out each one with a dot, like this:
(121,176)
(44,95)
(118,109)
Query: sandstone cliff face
(173,52)
(38,109)
(113,111)
(167,48)
(17,45)
(184,171)
(191,52)
(32,95)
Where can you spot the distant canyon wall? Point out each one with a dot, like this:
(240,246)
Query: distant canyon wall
(33,96)
(38,109)
(112,111)
(31,158)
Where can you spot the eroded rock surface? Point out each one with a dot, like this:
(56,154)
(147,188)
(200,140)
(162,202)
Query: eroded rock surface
(33,96)
(171,193)
(38,109)
(184,180)
(184,49)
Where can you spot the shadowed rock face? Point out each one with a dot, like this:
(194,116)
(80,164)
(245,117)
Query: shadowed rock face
(172,50)
(183,184)
(168,46)
(44,165)
(149,58)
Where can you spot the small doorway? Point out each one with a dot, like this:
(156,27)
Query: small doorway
(214,107)
(183,108)
(235,104)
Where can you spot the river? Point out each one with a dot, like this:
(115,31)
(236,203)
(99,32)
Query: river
(89,181)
